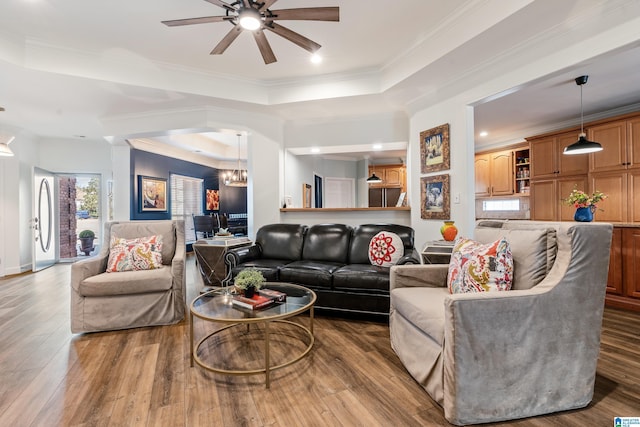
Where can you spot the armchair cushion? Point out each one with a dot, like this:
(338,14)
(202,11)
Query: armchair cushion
(477,267)
(142,253)
(127,283)
(385,249)
(533,250)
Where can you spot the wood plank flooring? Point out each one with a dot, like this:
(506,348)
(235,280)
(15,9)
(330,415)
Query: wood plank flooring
(142,377)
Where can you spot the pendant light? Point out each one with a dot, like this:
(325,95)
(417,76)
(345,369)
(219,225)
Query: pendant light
(374,179)
(582,146)
(237,177)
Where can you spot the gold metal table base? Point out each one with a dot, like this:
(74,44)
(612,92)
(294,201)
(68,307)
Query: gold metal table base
(267,363)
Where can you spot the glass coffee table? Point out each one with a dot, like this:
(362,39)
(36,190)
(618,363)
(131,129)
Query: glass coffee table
(216,307)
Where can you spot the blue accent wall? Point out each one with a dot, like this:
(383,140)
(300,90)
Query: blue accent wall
(232,200)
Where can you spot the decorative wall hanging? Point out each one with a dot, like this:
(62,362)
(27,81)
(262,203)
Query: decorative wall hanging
(306,195)
(434,149)
(152,194)
(434,197)
(213,200)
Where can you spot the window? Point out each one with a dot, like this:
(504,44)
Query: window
(186,201)
(501,205)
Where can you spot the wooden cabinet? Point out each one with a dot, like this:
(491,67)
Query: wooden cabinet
(623,283)
(546,198)
(622,204)
(547,160)
(620,142)
(393,176)
(494,174)
(554,175)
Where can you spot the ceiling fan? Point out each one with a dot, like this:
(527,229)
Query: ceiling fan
(255,16)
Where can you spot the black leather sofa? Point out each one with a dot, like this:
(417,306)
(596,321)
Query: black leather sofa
(330,259)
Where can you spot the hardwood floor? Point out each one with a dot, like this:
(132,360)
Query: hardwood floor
(141,377)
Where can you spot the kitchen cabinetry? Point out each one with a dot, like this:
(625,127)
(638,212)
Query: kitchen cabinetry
(391,175)
(494,174)
(622,204)
(554,175)
(546,198)
(547,160)
(620,142)
(387,193)
(623,283)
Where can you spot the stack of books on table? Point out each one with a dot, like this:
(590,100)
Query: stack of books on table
(262,299)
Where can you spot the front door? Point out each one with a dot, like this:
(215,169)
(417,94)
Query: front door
(44,227)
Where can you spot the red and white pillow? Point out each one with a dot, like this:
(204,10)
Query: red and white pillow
(142,253)
(385,249)
(477,267)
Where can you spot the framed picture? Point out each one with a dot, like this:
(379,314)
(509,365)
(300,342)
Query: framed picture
(152,193)
(434,197)
(306,195)
(213,200)
(434,149)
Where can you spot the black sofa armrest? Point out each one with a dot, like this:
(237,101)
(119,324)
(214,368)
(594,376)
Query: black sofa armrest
(237,256)
(412,258)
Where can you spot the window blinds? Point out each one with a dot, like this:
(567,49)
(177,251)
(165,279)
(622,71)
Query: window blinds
(186,201)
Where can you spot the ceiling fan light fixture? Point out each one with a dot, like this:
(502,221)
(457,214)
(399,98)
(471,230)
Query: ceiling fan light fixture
(583,145)
(250,19)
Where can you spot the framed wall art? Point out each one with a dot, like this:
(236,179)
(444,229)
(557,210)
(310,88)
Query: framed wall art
(306,195)
(434,197)
(213,200)
(434,149)
(152,194)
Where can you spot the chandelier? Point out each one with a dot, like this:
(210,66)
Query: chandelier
(238,176)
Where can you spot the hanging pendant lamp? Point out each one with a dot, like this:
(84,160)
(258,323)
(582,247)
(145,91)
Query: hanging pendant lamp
(583,145)
(237,177)
(374,179)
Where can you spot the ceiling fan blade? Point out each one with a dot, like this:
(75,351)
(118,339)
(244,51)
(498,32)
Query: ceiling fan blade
(293,37)
(227,40)
(307,14)
(267,4)
(246,3)
(190,21)
(265,47)
(222,4)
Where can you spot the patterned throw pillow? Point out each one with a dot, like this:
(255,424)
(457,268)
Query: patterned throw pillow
(142,253)
(477,267)
(385,249)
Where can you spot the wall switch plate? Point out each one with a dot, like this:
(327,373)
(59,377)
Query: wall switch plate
(456,198)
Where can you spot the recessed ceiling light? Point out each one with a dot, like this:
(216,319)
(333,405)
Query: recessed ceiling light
(316,59)
(315,150)
(377,146)
(484,133)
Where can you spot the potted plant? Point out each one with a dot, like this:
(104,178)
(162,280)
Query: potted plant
(86,241)
(248,281)
(584,203)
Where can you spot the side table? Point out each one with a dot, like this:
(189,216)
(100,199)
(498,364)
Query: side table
(210,258)
(437,252)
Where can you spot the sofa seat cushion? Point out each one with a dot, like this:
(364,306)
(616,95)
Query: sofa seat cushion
(424,308)
(268,267)
(127,282)
(312,273)
(364,277)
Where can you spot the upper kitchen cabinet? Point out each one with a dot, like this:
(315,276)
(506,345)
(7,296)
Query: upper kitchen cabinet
(547,160)
(620,141)
(494,174)
(393,176)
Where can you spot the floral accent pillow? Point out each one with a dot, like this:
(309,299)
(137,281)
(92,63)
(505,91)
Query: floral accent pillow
(477,267)
(385,249)
(142,253)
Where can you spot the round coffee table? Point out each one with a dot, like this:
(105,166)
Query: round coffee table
(216,307)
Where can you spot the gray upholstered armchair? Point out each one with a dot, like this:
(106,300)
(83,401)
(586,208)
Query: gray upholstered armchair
(129,299)
(495,356)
